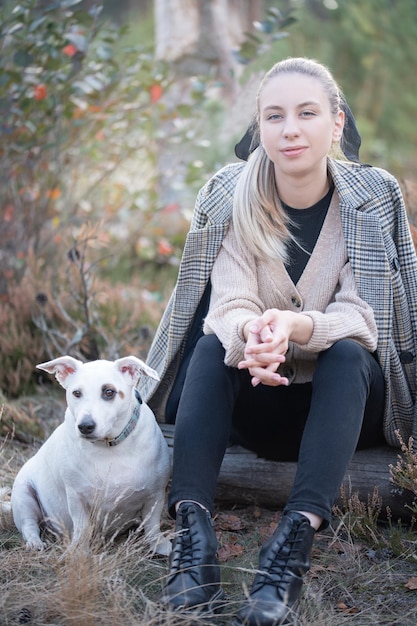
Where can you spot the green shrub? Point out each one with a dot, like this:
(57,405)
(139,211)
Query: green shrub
(77,145)
(71,114)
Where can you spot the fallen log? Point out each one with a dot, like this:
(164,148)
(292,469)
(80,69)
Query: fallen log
(246,478)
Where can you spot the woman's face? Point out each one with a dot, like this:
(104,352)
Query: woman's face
(297,127)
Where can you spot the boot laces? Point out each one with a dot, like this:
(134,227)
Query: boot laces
(281,564)
(187,549)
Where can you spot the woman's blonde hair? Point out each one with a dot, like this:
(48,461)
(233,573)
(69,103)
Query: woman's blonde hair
(258,217)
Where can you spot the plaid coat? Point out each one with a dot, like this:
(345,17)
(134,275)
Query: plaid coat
(384,263)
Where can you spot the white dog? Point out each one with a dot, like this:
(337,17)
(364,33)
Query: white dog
(108,457)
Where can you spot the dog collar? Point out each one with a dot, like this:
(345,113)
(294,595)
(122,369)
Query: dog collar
(129,426)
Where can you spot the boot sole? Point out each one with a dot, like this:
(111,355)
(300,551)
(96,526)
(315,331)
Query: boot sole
(202,611)
(292,618)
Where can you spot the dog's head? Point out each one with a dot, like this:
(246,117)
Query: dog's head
(99,393)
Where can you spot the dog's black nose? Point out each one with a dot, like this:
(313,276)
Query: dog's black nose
(87,426)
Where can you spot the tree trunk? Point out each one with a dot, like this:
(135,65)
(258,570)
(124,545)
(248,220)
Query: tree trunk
(198,36)
(246,479)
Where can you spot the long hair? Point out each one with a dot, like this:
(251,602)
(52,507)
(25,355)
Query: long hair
(258,217)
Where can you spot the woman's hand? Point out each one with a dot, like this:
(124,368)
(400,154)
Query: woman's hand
(267,340)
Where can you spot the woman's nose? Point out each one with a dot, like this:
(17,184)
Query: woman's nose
(290,128)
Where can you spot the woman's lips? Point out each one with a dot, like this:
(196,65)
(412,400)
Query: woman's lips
(293,152)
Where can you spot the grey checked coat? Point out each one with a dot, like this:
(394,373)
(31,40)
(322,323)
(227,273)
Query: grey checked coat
(384,263)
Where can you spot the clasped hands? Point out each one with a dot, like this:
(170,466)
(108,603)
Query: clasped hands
(267,340)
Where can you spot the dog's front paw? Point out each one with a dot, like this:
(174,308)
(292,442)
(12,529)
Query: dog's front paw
(35,544)
(163,547)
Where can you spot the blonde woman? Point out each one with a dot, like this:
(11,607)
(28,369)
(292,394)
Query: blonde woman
(307,349)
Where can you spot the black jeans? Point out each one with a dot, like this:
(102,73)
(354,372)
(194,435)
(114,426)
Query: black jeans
(318,424)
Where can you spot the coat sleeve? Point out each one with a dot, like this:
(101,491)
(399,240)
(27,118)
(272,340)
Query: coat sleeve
(212,211)
(404,283)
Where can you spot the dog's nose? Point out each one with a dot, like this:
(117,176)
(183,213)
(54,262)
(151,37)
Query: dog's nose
(87,426)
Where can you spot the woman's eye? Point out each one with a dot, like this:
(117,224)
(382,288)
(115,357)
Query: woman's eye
(307,113)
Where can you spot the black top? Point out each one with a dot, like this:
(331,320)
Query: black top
(305,226)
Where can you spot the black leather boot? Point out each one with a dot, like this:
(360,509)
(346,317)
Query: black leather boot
(194,576)
(276,589)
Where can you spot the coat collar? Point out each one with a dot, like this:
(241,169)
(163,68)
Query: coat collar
(349,183)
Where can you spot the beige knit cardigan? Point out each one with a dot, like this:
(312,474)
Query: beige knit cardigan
(243,287)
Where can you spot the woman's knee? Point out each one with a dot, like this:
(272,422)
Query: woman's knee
(207,373)
(207,360)
(348,360)
(209,346)
(347,352)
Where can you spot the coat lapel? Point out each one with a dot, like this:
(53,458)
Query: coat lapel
(366,248)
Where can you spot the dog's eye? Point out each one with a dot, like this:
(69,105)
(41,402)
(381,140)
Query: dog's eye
(77,393)
(108,393)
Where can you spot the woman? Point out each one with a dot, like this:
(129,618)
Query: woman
(308,350)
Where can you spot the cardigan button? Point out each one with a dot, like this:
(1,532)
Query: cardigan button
(287,372)
(296,301)
(406,357)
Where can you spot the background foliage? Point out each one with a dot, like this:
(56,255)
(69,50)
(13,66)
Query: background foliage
(79,120)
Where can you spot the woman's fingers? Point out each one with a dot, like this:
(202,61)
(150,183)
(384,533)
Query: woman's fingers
(266,377)
(261,360)
(265,374)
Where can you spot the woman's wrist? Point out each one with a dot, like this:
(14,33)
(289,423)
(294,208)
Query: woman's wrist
(246,328)
(303,329)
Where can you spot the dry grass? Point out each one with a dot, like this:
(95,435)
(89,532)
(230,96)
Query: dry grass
(20,346)
(113,585)
(355,580)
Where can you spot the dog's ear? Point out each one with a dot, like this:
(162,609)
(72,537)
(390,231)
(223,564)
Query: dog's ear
(62,367)
(134,367)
